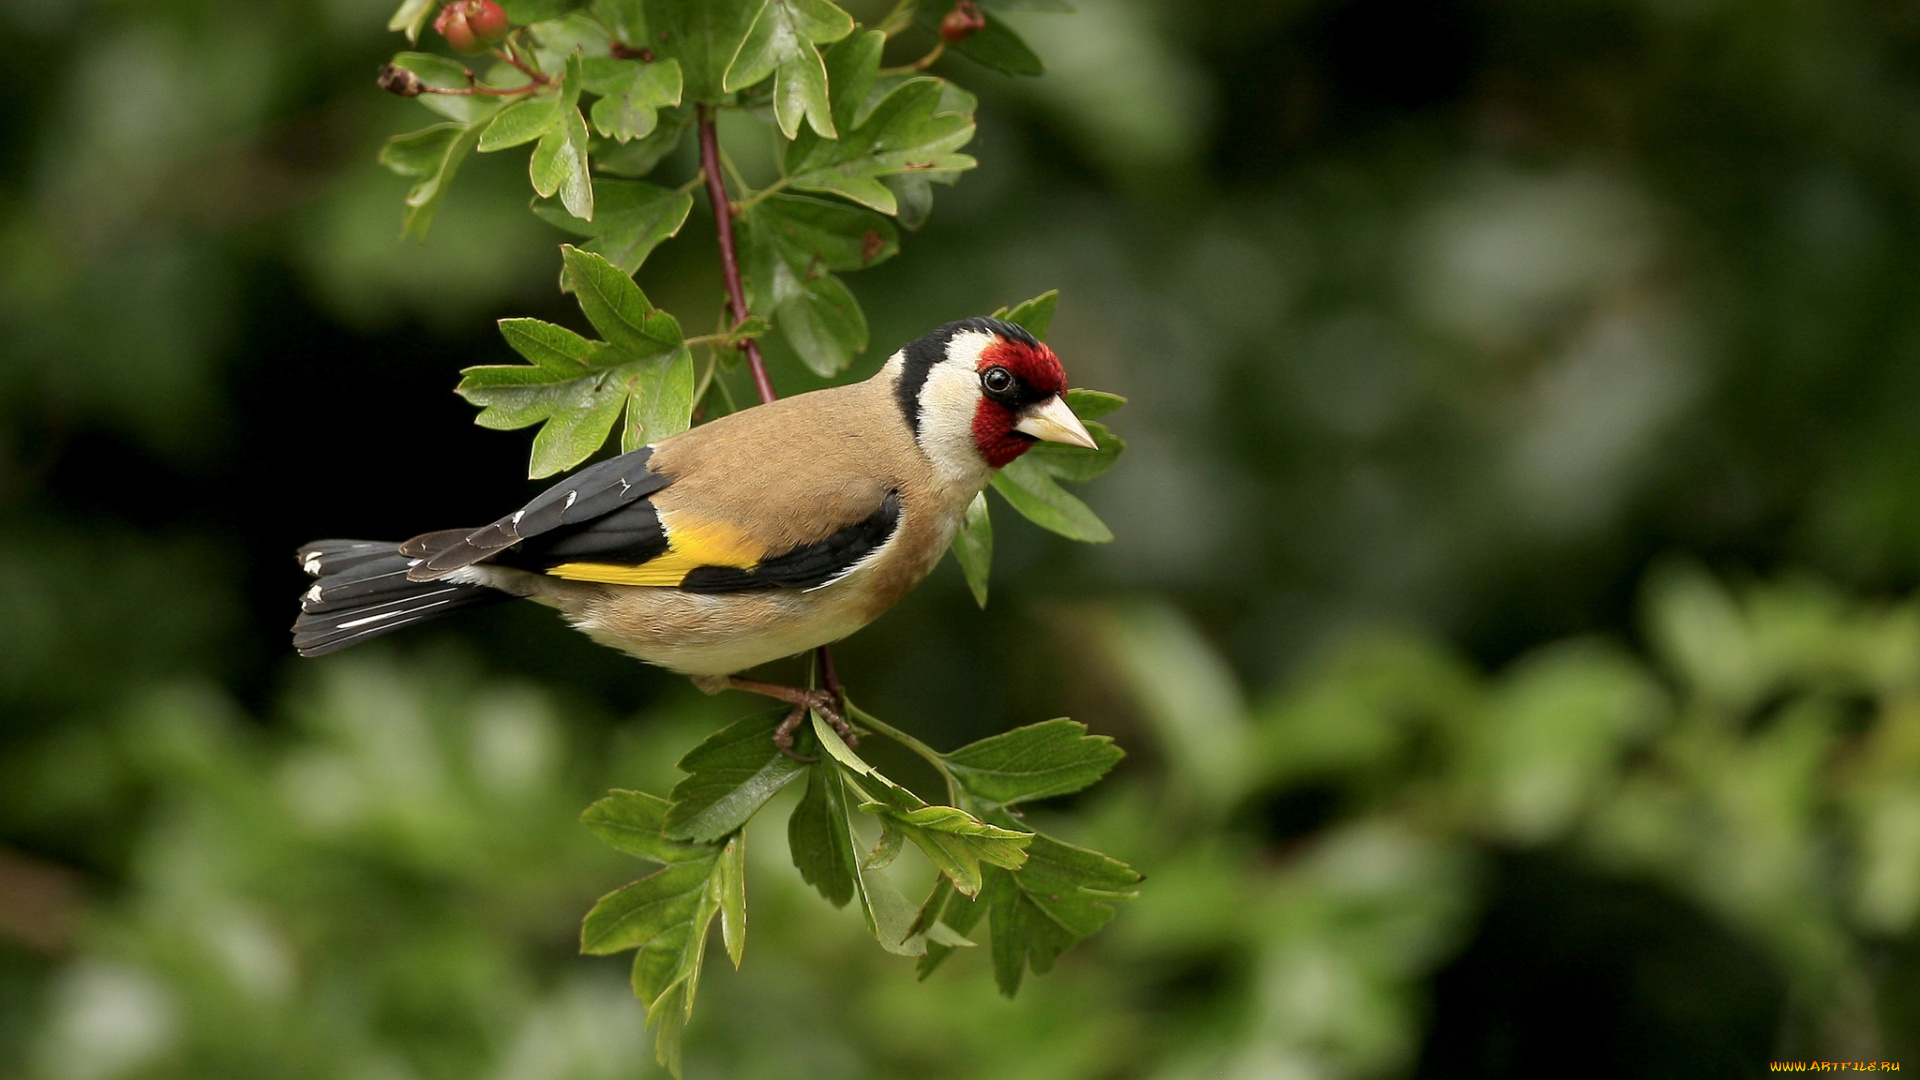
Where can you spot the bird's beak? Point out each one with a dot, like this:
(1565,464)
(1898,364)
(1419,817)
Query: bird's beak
(1052,421)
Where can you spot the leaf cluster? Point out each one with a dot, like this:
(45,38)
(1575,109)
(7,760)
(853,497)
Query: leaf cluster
(1039,895)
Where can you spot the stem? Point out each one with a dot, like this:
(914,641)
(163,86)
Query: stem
(729,261)
(699,177)
(921,64)
(486,91)
(874,723)
(763,193)
(510,57)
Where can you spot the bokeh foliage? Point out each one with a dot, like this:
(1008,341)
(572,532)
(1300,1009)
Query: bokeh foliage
(1450,318)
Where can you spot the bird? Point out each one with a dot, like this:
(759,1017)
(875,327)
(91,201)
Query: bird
(761,534)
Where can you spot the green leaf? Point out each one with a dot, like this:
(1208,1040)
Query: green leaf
(431,155)
(642,156)
(958,913)
(630,219)
(731,881)
(659,401)
(1061,895)
(853,63)
(703,35)
(409,17)
(633,915)
(994,45)
(1078,463)
(889,914)
(559,162)
(1057,7)
(973,547)
(729,778)
(577,388)
(1038,761)
(887,850)
(1030,489)
(1035,314)
(633,94)
(1093,404)
(793,245)
(555,348)
(782,42)
(907,132)
(617,307)
(953,840)
(522,12)
(521,122)
(625,20)
(631,822)
(819,838)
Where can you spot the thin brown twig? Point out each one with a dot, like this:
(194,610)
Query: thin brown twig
(729,260)
(737,298)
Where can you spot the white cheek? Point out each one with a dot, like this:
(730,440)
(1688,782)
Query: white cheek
(948,403)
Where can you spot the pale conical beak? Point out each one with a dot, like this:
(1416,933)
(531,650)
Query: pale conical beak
(1052,421)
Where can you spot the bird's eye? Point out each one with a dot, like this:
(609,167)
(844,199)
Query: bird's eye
(997,380)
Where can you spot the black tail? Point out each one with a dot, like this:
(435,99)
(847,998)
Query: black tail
(363,592)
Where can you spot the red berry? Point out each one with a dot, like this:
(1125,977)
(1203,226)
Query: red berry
(471,26)
(962,22)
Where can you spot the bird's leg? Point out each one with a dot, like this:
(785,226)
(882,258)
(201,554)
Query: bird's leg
(825,702)
(783,735)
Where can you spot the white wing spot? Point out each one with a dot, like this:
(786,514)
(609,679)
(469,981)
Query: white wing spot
(312,595)
(312,565)
(571,496)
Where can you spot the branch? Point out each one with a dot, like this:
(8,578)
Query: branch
(737,298)
(729,261)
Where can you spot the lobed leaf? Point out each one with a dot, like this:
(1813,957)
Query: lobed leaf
(953,840)
(819,839)
(632,95)
(632,822)
(783,42)
(641,156)
(633,915)
(1060,895)
(906,132)
(617,308)
(793,244)
(958,913)
(973,547)
(631,218)
(1056,757)
(729,778)
(559,162)
(549,347)
(521,122)
(703,35)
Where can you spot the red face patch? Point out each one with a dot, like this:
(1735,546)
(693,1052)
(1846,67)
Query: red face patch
(1040,377)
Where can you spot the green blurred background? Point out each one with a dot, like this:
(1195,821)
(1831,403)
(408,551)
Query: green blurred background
(1509,621)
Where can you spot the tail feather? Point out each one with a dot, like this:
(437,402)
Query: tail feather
(362,591)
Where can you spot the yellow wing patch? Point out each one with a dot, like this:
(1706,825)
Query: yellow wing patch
(692,542)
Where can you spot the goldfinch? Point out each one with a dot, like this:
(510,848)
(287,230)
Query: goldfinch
(762,534)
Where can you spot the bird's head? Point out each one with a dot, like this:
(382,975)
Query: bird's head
(980,392)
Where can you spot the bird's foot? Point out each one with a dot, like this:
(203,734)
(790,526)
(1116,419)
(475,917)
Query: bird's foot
(824,702)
